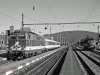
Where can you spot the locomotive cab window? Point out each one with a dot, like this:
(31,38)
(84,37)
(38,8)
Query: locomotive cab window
(13,37)
(21,37)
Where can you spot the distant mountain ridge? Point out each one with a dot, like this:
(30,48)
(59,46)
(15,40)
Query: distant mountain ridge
(73,35)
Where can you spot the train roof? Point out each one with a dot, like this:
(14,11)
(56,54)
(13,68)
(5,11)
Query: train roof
(44,37)
(51,40)
(18,31)
(36,34)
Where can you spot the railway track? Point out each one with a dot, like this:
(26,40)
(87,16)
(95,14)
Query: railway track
(33,64)
(94,61)
(94,56)
(88,70)
(96,52)
(55,70)
(52,63)
(92,67)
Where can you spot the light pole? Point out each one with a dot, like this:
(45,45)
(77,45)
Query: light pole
(50,32)
(94,34)
(57,37)
(98,32)
(33,16)
(60,34)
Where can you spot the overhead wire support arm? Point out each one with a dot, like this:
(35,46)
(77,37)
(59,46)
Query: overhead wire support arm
(62,23)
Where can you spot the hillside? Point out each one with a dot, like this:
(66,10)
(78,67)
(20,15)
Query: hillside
(73,35)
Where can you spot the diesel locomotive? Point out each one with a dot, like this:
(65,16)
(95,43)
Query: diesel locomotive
(26,44)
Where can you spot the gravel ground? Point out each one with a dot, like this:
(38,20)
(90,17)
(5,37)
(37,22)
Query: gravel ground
(92,55)
(92,65)
(82,67)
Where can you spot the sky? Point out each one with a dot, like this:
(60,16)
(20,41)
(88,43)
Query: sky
(50,11)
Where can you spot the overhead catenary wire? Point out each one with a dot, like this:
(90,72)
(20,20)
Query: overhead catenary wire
(38,20)
(90,10)
(56,20)
(28,17)
(89,18)
(48,11)
(9,7)
(9,17)
(93,9)
(20,13)
(51,10)
(48,23)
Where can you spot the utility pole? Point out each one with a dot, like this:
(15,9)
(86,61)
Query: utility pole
(22,22)
(50,32)
(98,32)
(34,16)
(94,34)
(63,35)
(57,37)
(60,36)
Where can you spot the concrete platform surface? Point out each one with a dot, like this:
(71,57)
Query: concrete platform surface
(71,65)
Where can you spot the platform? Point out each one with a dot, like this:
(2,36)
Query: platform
(71,65)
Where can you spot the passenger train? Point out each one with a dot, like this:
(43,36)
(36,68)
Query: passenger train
(26,44)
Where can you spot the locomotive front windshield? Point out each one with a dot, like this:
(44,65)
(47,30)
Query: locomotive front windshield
(17,37)
(12,36)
